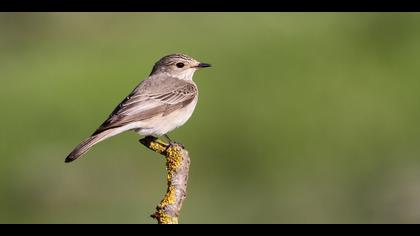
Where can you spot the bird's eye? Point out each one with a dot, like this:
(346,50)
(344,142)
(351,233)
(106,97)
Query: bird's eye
(179,64)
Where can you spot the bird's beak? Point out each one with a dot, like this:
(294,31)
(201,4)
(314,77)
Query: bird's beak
(203,65)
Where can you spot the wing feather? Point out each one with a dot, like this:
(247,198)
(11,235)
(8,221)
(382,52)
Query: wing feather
(157,95)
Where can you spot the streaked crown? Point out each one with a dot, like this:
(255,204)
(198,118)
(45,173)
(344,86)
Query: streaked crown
(174,63)
(173,58)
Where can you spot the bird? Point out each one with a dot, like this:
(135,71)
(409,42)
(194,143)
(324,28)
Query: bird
(162,102)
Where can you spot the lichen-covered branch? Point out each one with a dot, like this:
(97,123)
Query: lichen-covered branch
(177,166)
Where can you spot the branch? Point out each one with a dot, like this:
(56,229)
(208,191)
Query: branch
(177,166)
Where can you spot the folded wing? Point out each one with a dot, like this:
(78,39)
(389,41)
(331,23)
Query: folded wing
(153,97)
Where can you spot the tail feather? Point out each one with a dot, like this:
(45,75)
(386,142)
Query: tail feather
(86,144)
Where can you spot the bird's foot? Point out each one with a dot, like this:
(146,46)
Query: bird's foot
(173,143)
(148,140)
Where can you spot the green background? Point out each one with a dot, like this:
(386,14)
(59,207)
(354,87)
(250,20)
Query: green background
(303,118)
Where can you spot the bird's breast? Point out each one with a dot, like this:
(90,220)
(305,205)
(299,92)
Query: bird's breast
(163,124)
(179,117)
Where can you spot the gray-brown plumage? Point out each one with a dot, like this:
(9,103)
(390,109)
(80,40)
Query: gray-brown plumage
(159,104)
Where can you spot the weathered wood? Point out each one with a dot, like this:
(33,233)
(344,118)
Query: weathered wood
(177,166)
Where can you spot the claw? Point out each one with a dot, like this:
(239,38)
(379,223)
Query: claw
(173,143)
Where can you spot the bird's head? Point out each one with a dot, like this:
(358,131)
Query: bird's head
(178,65)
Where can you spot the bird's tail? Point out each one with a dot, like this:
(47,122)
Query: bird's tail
(84,146)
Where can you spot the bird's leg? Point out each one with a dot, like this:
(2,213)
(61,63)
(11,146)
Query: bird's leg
(172,143)
(168,139)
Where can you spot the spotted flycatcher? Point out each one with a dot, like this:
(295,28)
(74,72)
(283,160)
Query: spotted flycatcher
(159,104)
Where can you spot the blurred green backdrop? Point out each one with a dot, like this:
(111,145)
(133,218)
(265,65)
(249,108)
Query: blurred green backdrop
(304,118)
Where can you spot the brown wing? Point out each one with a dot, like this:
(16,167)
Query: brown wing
(154,96)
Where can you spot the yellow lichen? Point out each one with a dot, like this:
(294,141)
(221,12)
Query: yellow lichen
(157,146)
(164,218)
(174,158)
(169,198)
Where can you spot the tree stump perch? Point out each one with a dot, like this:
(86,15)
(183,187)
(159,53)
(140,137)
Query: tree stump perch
(177,166)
